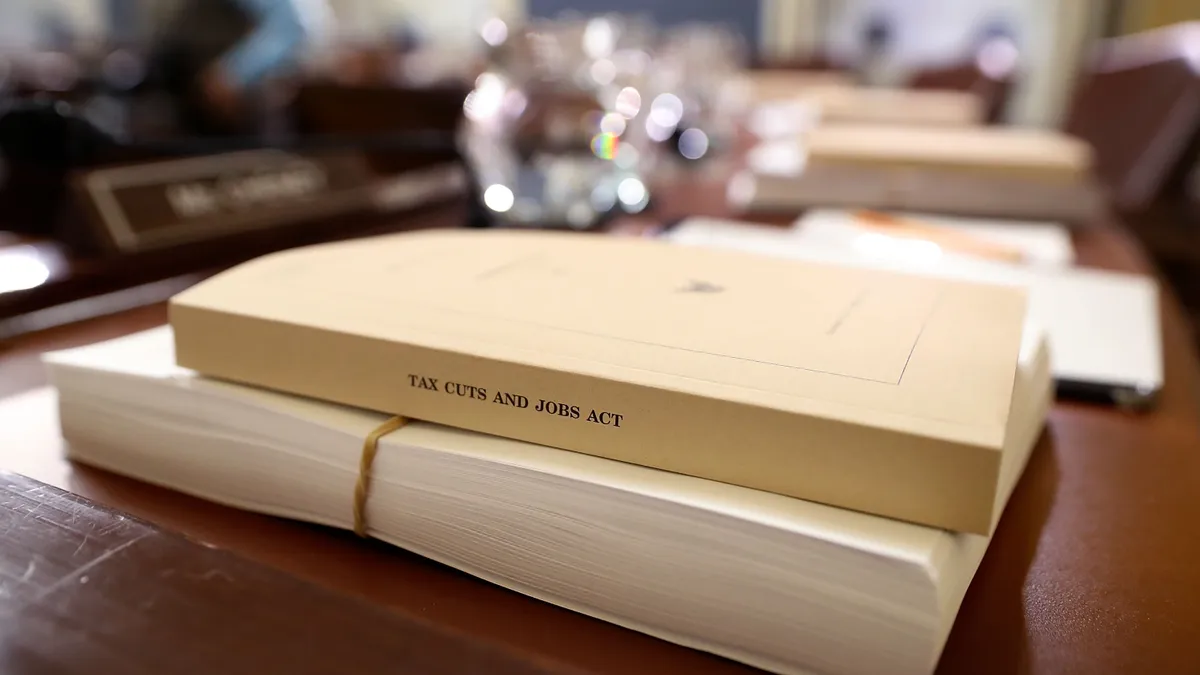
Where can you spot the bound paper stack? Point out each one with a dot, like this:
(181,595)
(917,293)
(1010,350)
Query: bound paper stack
(883,106)
(795,466)
(787,103)
(985,171)
(757,87)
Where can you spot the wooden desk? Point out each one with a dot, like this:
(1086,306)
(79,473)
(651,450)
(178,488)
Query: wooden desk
(92,286)
(1092,570)
(84,589)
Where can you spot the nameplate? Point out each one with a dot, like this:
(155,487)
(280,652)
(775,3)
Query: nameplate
(416,187)
(168,203)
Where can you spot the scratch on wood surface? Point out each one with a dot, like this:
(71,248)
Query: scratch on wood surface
(29,571)
(112,527)
(35,490)
(82,570)
(215,573)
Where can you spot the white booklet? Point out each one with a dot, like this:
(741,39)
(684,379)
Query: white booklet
(779,583)
(1040,244)
(1104,327)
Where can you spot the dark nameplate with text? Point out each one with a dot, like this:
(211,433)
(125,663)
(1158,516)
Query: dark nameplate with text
(165,203)
(168,203)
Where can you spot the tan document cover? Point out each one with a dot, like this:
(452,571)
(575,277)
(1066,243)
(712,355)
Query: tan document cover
(868,390)
(1030,153)
(763,86)
(986,171)
(903,107)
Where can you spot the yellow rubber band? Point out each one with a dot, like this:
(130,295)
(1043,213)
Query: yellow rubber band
(362,489)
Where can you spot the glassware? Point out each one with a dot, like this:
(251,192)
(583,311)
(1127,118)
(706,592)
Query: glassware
(573,114)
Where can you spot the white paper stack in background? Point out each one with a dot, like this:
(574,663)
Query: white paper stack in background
(1103,327)
(783,584)
(1041,244)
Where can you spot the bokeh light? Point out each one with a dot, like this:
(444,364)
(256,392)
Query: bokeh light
(604,71)
(666,110)
(629,102)
(494,32)
(498,198)
(613,123)
(604,145)
(693,143)
(633,194)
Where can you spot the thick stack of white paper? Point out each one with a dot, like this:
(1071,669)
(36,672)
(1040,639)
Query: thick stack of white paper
(780,583)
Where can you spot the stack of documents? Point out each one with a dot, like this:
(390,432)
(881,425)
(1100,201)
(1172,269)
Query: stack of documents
(636,430)
(780,583)
(981,171)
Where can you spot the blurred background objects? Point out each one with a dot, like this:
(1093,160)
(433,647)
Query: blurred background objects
(1053,144)
(579,114)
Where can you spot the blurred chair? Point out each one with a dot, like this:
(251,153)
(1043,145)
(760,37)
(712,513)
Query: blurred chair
(1191,189)
(425,116)
(1138,104)
(399,129)
(324,108)
(989,75)
(816,61)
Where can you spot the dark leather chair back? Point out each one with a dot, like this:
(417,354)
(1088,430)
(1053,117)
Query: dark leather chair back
(325,108)
(383,110)
(1138,104)
(816,61)
(989,75)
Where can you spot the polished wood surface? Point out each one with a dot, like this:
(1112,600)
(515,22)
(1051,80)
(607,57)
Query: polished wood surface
(58,227)
(148,277)
(84,589)
(1092,569)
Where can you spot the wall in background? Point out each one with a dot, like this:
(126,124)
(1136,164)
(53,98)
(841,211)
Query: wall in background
(1142,15)
(921,33)
(16,24)
(23,23)
(1051,34)
(447,21)
(790,29)
(740,15)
